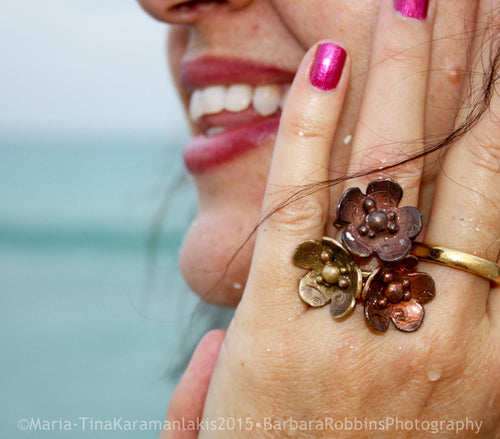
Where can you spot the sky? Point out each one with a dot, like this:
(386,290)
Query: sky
(85,66)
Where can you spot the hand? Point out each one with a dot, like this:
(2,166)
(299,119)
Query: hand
(283,360)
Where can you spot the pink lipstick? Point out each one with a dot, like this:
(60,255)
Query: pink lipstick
(226,132)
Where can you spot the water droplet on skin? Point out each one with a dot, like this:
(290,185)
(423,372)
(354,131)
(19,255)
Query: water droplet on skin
(237,286)
(492,399)
(434,374)
(301,133)
(268,350)
(347,139)
(347,345)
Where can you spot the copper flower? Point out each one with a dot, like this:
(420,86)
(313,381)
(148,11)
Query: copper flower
(334,276)
(397,292)
(375,223)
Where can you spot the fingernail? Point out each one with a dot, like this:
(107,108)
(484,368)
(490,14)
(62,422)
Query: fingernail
(412,8)
(327,67)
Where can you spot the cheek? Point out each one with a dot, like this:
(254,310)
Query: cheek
(349,22)
(177,41)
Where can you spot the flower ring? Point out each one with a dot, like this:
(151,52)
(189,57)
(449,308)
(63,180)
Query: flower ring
(394,291)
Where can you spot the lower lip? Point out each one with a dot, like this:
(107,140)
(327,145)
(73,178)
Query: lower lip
(203,152)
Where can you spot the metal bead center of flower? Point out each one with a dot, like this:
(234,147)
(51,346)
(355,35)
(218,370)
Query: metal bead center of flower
(377,220)
(332,272)
(395,291)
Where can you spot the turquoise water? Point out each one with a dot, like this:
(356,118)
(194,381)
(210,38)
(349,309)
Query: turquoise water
(95,325)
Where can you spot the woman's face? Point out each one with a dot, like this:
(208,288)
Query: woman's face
(233,61)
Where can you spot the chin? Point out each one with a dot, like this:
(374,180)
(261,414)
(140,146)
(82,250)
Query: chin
(215,259)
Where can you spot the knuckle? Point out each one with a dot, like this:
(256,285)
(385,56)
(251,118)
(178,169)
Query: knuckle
(484,152)
(308,127)
(408,175)
(298,217)
(403,58)
(402,53)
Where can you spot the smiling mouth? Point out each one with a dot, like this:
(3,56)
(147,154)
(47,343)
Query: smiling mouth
(235,106)
(218,108)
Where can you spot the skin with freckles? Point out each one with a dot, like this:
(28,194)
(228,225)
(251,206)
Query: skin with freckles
(375,82)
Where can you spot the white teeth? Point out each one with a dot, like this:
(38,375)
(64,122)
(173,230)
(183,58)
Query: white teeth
(238,97)
(284,98)
(196,105)
(266,99)
(212,131)
(213,99)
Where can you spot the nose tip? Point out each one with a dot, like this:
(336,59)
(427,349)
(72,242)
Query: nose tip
(188,11)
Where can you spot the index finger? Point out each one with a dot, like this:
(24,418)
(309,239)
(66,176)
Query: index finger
(300,157)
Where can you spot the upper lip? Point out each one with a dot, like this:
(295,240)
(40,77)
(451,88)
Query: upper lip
(213,70)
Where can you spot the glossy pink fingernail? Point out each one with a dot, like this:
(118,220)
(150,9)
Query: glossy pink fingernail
(412,8)
(327,66)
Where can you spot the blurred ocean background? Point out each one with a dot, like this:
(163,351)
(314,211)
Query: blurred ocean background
(95,319)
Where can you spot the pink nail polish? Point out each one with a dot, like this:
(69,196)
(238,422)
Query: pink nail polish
(327,67)
(412,8)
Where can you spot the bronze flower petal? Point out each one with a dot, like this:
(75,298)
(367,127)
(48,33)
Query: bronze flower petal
(351,239)
(387,192)
(391,248)
(403,266)
(350,206)
(423,288)
(410,219)
(407,316)
(375,316)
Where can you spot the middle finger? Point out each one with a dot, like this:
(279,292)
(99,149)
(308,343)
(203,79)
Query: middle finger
(391,120)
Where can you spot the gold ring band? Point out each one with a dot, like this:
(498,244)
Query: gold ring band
(456,259)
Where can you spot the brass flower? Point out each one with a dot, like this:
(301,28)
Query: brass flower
(334,276)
